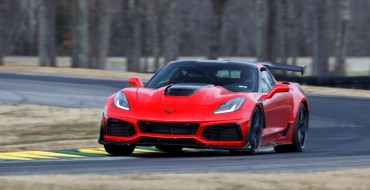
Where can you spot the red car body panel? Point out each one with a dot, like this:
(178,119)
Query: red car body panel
(150,104)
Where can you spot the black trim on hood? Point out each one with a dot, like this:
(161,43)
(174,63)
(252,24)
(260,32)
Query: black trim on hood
(184,89)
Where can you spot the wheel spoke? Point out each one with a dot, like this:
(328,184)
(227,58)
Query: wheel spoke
(255,132)
(302,127)
(302,115)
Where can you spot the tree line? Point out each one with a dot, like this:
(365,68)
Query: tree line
(270,30)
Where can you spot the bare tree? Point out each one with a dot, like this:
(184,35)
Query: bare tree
(320,38)
(341,37)
(271,31)
(133,47)
(100,33)
(2,30)
(295,26)
(282,38)
(218,7)
(80,51)
(171,43)
(261,30)
(74,32)
(46,33)
(152,30)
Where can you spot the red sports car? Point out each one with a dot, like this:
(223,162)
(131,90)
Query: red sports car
(232,105)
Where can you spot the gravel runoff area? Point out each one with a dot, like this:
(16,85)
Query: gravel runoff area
(345,179)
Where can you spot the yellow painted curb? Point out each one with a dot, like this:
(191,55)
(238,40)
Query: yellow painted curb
(53,154)
(145,151)
(91,151)
(32,155)
(12,158)
(25,155)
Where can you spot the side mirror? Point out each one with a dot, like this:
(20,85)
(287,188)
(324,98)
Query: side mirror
(276,89)
(135,82)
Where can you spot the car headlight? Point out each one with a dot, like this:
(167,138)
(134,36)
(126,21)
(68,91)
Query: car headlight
(120,101)
(230,106)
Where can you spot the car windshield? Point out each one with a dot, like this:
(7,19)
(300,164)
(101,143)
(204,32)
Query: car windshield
(233,77)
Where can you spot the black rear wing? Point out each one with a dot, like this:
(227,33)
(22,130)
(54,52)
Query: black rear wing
(285,67)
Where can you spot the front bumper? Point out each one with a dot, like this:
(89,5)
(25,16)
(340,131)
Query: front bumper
(230,134)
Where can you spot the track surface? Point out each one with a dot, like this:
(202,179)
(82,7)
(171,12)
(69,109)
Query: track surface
(338,135)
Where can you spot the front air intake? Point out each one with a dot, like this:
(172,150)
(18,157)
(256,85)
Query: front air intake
(222,132)
(168,128)
(120,128)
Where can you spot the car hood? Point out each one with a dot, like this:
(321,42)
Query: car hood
(181,95)
(179,102)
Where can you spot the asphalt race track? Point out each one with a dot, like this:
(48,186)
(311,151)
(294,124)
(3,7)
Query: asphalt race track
(338,135)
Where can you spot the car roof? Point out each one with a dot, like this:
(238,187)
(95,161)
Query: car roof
(218,61)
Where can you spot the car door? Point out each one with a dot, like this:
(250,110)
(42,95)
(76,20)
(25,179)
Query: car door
(278,109)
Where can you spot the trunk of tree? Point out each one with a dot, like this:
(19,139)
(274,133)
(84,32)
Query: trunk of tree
(341,38)
(171,43)
(74,33)
(271,31)
(146,41)
(46,46)
(152,30)
(80,36)
(2,31)
(134,42)
(295,26)
(320,38)
(99,33)
(28,34)
(218,7)
(282,42)
(261,30)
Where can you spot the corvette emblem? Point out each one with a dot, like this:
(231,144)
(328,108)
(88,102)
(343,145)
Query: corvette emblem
(168,111)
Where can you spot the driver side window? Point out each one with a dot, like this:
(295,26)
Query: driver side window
(267,82)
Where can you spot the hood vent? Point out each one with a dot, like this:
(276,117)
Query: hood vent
(184,89)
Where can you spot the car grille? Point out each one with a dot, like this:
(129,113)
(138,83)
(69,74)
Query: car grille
(165,141)
(120,128)
(168,128)
(223,132)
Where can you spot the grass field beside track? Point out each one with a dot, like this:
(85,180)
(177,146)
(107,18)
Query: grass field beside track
(34,127)
(345,179)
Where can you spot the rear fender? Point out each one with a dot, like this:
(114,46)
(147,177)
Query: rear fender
(299,98)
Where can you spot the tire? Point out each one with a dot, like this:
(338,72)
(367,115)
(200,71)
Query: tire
(119,150)
(299,134)
(169,148)
(254,134)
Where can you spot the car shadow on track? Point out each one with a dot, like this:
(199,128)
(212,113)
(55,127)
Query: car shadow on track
(197,153)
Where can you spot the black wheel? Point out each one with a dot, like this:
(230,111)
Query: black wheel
(299,134)
(119,150)
(169,148)
(254,136)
